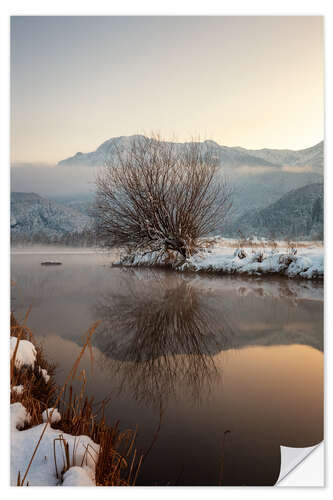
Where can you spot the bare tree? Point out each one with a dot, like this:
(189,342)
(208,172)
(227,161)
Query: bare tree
(147,328)
(160,196)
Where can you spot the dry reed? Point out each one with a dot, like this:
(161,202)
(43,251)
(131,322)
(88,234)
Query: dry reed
(118,462)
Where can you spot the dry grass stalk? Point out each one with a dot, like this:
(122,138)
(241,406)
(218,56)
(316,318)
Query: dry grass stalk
(117,454)
(70,376)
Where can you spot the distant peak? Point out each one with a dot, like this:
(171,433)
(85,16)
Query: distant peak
(232,155)
(212,143)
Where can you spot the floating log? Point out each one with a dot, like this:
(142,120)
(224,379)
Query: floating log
(51,263)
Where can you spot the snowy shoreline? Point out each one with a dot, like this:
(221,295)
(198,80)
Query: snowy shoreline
(50,453)
(49,459)
(304,260)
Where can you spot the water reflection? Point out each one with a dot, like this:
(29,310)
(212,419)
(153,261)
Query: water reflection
(241,342)
(159,334)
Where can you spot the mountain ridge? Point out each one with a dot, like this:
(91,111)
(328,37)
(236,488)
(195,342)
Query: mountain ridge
(229,156)
(298,213)
(31,214)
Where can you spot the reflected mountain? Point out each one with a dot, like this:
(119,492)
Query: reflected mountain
(151,315)
(157,333)
(151,318)
(205,353)
(163,331)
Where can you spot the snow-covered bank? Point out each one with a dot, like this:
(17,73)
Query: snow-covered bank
(50,454)
(305,261)
(49,467)
(57,437)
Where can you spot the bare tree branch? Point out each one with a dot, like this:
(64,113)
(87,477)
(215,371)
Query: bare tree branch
(160,196)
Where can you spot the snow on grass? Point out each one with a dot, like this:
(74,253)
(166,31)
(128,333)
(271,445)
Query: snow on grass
(304,266)
(18,416)
(290,266)
(26,352)
(306,261)
(50,460)
(43,468)
(18,389)
(44,373)
(54,417)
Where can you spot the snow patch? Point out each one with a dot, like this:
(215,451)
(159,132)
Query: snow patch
(305,262)
(18,416)
(78,476)
(26,353)
(18,389)
(42,471)
(44,373)
(54,417)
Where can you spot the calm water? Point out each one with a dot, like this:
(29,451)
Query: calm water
(230,368)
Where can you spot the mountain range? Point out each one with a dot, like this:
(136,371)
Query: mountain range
(31,214)
(312,157)
(299,213)
(258,177)
(274,191)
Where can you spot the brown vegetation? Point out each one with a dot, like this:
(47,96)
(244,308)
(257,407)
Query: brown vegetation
(118,462)
(156,196)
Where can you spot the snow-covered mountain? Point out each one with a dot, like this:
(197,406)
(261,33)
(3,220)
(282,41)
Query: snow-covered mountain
(311,157)
(257,191)
(229,156)
(299,213)
(259,179)
(31,214)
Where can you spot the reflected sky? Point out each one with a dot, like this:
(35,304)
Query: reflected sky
(194,355)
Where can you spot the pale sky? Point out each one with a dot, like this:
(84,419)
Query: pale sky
(253,82)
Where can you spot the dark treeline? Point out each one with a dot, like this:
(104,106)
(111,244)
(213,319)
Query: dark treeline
(85,238)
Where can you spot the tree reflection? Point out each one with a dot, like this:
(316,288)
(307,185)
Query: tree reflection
(159,336)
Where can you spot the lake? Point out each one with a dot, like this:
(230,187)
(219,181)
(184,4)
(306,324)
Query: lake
(220,370)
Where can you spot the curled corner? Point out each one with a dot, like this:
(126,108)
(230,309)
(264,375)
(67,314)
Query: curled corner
(291,458)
